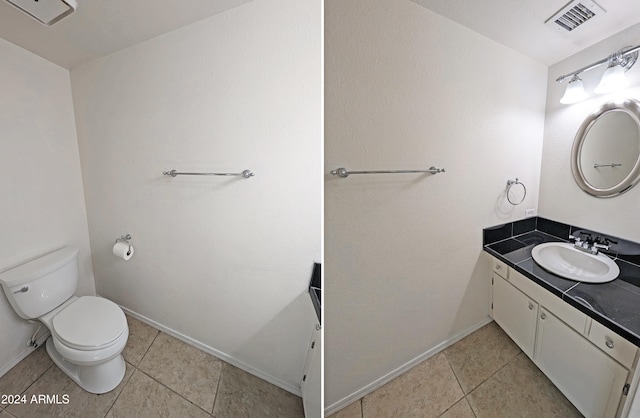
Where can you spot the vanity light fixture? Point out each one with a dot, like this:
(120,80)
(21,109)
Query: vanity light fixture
(575,91)
(613,79)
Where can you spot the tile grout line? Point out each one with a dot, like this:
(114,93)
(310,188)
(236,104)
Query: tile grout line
(520,352)
(500,368)
(162,384)
(466,398)
(121,390)
(135,367)
(10,414)
(469,404)
(464,395)
(148,348)
(155,380)
(215,399)
(36,379)
(454,373)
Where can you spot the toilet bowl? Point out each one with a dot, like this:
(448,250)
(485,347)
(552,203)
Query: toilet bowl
(88,333)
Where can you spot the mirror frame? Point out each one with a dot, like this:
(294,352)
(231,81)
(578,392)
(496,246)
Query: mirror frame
(632,108)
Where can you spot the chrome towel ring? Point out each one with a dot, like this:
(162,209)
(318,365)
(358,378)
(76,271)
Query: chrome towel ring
(510,184)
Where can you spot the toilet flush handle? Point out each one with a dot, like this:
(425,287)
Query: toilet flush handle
(24,289)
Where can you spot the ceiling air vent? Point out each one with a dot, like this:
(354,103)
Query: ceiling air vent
(574,14)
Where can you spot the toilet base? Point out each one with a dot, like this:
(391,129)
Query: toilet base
(100,378)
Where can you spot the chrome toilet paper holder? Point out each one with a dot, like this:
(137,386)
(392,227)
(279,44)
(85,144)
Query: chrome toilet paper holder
(125,238)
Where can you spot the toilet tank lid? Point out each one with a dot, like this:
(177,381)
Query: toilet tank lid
(38,267)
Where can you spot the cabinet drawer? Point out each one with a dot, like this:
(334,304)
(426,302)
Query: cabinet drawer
(612,344)
(500,268)
(565,312)
(527,286)
(562,310)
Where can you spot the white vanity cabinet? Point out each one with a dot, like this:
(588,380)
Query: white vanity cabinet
(516,313)
(589,363)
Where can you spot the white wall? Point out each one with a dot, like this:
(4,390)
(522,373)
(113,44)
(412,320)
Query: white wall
(560,197)
(224,261)
(406,88)
(42,203)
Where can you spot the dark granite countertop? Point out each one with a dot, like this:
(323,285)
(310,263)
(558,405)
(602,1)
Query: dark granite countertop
(315,289)
(316,299)
(616,304)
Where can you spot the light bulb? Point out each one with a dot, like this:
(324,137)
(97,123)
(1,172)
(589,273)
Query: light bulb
(575,91)
(613,79)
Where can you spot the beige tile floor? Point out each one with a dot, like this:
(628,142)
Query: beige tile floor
(484,375)
(165,378)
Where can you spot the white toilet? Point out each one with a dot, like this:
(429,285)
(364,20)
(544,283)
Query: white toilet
(88,333)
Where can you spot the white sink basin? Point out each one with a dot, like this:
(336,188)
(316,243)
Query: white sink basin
(564,260)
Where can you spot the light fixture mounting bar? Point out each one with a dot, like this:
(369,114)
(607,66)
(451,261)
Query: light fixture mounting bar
(597,64)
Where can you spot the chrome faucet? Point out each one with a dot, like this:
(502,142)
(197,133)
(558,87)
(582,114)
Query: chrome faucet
(589,244)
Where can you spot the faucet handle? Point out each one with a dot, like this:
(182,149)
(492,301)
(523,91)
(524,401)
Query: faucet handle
(577,240)
(589,238)
(605,240)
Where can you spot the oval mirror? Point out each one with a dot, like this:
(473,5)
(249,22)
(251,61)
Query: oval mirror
(605,157)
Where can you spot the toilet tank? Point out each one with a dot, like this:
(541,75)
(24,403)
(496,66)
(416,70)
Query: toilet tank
(42,284)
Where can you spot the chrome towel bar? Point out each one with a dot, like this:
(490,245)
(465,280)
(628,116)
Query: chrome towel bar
(343,172)
(246,174)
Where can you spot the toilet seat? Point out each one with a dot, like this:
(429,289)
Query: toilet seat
(89,323)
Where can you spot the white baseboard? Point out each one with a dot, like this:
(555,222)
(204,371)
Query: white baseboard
(23,354)
(402,369)
(219,354)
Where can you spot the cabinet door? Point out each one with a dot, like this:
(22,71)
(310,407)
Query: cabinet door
(311,381)
(515,313)
(590,379)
